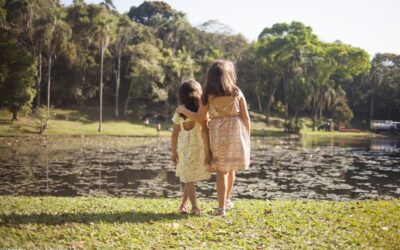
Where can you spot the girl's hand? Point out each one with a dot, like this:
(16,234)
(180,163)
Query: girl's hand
(180,109)
(207,162)
(175,158)
(211,169)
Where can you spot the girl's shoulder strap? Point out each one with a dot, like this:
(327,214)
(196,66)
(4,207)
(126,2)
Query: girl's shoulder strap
(177,119)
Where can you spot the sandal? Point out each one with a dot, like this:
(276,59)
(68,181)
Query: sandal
(196,211)
(220,211)
(183,209)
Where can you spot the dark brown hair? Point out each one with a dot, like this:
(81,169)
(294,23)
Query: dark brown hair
(189,94)
(220,80)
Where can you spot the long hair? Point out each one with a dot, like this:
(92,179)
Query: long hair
(220,80)
(189,94)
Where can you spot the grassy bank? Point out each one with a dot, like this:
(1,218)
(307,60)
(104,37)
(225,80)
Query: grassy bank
(364,134)
(73,122)
(121,223)
(70,122)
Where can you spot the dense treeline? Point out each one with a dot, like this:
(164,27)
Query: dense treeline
(87,54)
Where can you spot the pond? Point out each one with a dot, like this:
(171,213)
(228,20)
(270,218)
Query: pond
(281,168)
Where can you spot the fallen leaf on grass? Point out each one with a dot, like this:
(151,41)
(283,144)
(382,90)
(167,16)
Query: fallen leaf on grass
(77,245)
(190,226)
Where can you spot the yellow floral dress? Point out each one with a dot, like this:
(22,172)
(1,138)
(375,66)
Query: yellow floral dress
(190,167)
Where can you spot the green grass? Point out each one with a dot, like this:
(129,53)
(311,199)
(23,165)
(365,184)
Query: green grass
(363,134)
(70,122)
(122,223)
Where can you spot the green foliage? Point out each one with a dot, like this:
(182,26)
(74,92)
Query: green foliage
(146,72)
(288,64)
(17,68)
(342,113)
(41,117)
(294,125)
(279,107)
(147,10)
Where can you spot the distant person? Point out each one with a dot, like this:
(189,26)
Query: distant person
(229,127)
(146,122)
(158,128)
(188,150)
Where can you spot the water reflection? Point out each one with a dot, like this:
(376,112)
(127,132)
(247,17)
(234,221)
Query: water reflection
(330,168)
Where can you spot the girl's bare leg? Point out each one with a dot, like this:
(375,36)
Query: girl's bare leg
(231,180)
(222,188)
(185,198)
(191,191)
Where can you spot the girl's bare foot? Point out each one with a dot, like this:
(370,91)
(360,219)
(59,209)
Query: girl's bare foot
(183,209)
(220,211)
(229,204)
(196,211)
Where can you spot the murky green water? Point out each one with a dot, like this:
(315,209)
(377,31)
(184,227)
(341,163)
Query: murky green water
(335,169)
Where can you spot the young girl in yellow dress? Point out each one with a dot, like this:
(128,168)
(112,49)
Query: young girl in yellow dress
(229,127)
(187,144)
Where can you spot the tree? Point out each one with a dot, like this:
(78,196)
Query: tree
(17,75)
(56,38)
(284,46)
(384,85)
(147,10)
(146,75)
(109,4)
(124,33)
(215,26)
(299,90)
(321,69)
(177,68)
(342,113)
(41,29)
(3,14)
(104,25)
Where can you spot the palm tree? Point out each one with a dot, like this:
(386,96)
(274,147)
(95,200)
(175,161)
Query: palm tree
(322,85)
(103,33)
(109,4)
(124,33)
(57,33)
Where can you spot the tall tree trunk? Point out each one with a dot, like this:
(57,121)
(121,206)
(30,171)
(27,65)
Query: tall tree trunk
(270,101)
(101,86)
(314,120)
(314,111)
(15,115)
(48,83)
(296,123)
(118,84)
(39,81)
(371,113)
(127,100)
(259,102)
(321,106)
(285,82)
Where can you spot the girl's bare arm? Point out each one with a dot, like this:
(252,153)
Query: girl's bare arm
(199,117)
(206,141)
(174,142)
(245,113)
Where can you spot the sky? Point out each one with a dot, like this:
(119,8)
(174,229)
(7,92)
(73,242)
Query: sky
(373,25)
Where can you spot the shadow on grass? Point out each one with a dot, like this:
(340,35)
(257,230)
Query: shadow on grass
(87,218)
